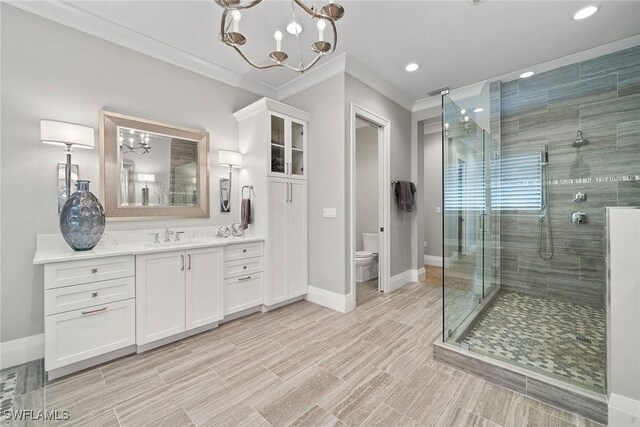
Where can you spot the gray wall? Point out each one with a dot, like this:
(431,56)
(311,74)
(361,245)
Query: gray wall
(52,71)
(601,97)
(326,181)
(433,193)
(367,98)
(366,182)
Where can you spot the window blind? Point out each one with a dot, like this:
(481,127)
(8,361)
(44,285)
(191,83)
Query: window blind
(465,186)
(516,182)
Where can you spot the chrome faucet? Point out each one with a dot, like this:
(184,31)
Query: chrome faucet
(167,234)
(178,233)
(578,218)
(157,237)
(579,197)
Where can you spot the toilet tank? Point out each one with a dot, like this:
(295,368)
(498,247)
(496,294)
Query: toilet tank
(370,242)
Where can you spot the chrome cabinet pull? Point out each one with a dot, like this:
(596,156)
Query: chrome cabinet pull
(244,251)
(244,267)
(94,294)
(291,198)
(182,260)
(242,279)
(189,256)
(94,270)
(94,311)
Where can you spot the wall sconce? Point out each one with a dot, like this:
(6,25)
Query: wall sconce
(68,135)
(146,178)
(232,159)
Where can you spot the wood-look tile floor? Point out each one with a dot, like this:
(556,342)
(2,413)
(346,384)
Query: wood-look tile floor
(302,365)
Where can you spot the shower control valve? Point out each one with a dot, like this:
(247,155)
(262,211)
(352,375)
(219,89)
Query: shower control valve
(579,218)
(579,197)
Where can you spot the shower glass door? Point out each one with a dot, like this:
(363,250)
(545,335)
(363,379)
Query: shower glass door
(471,232)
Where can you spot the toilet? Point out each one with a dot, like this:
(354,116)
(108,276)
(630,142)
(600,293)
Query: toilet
(367,260)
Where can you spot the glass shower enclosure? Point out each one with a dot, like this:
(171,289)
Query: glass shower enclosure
(471,227)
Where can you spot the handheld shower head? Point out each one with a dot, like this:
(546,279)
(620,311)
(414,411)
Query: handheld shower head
(579,141)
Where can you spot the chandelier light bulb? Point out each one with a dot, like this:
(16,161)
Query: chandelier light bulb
(321,26)
(278,36)
(237,16)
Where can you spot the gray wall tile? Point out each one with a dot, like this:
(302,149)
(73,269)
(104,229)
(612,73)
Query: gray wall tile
(601,97)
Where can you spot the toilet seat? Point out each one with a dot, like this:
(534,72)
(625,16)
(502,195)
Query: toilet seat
(363,254)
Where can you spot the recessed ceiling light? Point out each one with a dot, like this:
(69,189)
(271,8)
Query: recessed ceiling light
(477,110)
(585,12)
(527,74)
(294,28)
(412,67)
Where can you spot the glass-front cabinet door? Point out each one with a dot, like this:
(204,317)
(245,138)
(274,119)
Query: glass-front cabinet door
(287,147)
(278,146)
(297,149)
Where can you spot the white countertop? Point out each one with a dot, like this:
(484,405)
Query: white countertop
(53,248)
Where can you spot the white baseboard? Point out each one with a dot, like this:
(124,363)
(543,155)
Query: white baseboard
(404,278)
(436,261)
(23,350)
(623,411)
(332,300)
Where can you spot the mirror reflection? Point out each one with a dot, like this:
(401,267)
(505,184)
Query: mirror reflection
(156,169)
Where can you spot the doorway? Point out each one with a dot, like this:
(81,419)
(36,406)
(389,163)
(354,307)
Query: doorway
(370,203)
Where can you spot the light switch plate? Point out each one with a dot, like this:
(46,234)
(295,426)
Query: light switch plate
(438,210)
(329,212)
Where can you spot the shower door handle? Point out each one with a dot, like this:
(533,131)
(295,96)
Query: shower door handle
(482,218)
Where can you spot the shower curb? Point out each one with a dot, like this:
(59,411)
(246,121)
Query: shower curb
(588,404)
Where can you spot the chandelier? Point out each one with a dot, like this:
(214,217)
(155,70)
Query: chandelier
(132,142)
(230,20)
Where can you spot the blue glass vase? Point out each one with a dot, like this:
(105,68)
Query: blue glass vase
(82,219)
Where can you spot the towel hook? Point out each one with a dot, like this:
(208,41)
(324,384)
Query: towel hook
(250,187)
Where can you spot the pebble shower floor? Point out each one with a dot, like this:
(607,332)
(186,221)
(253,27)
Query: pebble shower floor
(554,337)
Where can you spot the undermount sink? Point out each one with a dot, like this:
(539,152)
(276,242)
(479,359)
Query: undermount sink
(174,244)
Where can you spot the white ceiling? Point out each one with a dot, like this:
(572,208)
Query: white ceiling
(455,42)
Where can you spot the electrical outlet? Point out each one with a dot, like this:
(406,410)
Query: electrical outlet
(438,209)
(329,212)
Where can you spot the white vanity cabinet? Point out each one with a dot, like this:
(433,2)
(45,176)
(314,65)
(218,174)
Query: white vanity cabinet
(287,240)
(243,277)
(89,309)
(277,132)
(177,291)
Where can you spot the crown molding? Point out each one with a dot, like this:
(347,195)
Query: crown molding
(375,81)
(475,88)
(317,75)
(81,20)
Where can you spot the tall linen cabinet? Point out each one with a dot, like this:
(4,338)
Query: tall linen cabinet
(273,140)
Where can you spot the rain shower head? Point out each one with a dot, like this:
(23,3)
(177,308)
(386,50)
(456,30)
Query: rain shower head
(579,141)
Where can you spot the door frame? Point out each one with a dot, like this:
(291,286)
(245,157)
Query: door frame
(384,198)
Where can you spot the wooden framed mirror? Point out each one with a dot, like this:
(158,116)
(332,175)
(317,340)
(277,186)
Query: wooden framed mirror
(152,170)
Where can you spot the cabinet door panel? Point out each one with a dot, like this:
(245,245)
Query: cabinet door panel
(297,240)
(278,205)
(204,285)
(81,334)
(160,296)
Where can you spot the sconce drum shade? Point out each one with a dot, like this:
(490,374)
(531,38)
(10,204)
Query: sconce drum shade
(62,133)
(230,158)
(145,177)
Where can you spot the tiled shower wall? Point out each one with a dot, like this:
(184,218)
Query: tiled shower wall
(601,97)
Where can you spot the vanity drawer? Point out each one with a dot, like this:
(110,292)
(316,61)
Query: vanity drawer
(242,292)
(242,251)
(242,267)
(68,273)
(78,335)
(75,297)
